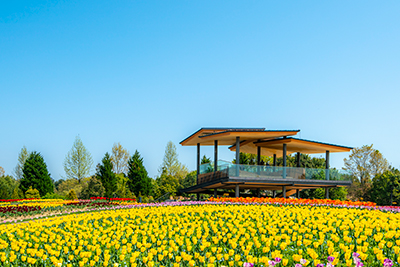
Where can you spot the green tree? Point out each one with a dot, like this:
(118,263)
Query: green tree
(385,188)
(190,180)
(171,165)
(78,162)
(2,172)
(7,186)
(119,159)
(94,188)
(139,181)
(32,193)
(106,176)
(166,184)
(23,155)
(36,175)
(364,163)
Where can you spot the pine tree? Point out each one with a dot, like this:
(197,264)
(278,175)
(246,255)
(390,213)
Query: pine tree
(106,176)
(139,181)
(36,175)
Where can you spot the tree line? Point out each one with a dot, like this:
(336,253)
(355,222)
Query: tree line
(120,174)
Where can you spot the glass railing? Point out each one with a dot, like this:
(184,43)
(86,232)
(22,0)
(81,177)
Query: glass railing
(275,172)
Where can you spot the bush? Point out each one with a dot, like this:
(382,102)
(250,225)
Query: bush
(72,195)
(32,193)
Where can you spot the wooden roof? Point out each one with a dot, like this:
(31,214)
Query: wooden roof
(293,145)
(227,136)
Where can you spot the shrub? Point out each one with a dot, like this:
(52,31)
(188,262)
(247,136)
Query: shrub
(72,195)
(32,193)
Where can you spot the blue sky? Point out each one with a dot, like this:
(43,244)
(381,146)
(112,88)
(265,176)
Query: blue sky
(145,72)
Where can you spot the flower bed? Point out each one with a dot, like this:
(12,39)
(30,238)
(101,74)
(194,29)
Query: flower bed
(207,234)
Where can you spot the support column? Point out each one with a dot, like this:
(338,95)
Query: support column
(237,155)
(237,190)
(327,193)
(274,160)
(297,193)
(327,165)
(215,192)
(284,161)
(198,196)
(284,191)
(215,155)
(258,192)
(258,159)
(298,159)
(198,163)
(274,193)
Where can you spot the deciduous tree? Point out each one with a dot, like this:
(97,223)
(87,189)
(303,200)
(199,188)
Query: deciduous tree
(23,155)
(385,188)
(119,159)
(171,165)
(36,175)
(78,162)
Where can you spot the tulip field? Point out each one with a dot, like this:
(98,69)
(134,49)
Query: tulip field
(218,232)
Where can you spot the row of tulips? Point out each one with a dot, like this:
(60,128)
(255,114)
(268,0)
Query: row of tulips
(300,201)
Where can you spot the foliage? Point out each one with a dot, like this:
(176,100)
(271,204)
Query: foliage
(105,174)
(205,160)
(36,175)
(122,187)
(58,183)
(32,193)
(7,186)
(17,193)
(364,163)
(119,159)
(166,184)
(23,155)
(190,180)
(139,181)
(171,165)
(78,162)
(71,195)
(385,188)
(1,171)
(67,185)
(94,188)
